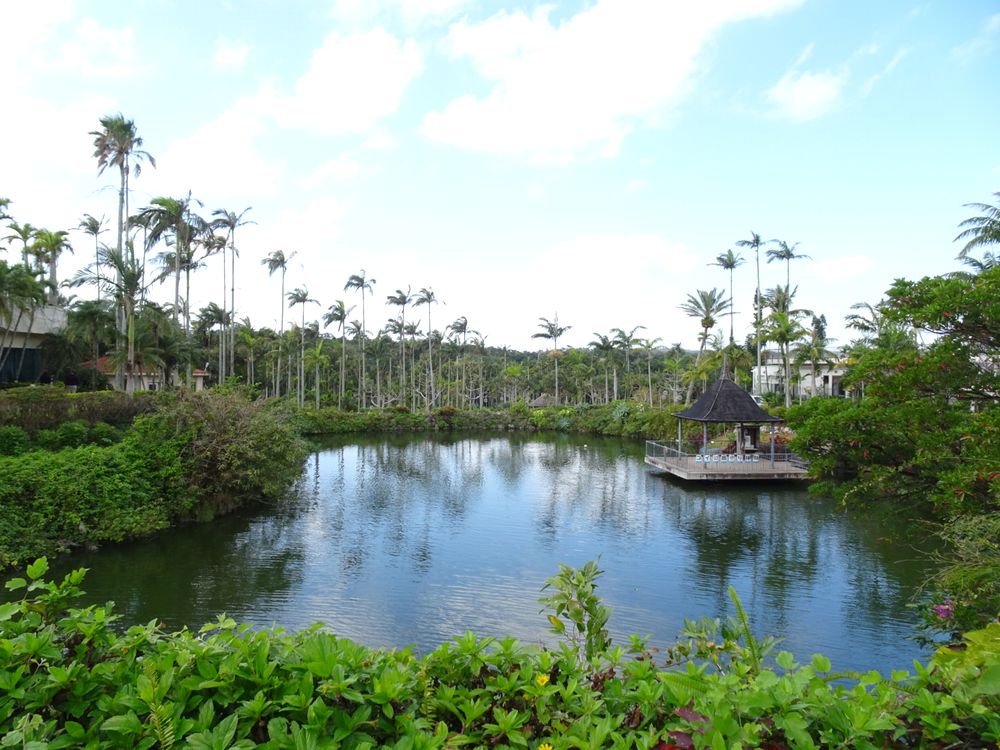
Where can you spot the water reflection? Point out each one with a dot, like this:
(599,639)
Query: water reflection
(402,540)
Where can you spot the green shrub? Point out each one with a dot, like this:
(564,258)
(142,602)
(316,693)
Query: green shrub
(101,433)
(71,678)
(13,440)
(72,434)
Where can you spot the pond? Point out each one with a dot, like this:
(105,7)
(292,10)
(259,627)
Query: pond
(396,540)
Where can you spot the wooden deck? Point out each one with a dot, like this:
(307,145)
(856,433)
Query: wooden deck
(723,466)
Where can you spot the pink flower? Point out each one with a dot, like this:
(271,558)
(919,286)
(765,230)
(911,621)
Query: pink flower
(944,611)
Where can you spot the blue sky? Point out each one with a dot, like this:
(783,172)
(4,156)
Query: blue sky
(585,159)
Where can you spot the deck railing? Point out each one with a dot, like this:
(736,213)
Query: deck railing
(747,462)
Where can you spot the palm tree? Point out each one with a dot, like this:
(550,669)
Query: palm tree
(89,322)
(276,261)
(552,330)
(48,246)
(728,261)
(300,296)
(704,305)
(114,145)
(980,230)
(125,286)
(461,328)
(814,349)
(648,345)
(337,313)
(361,283)
(316,358)
(604,347)
(20,292)
(787,253)
(171,219)
(95,228)
(427,297)
(784,329)
(230,220)
(23,233)
(755,243)
(401,299)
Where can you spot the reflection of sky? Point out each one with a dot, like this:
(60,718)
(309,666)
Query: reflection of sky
(399,541)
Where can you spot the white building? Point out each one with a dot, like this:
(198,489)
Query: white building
(772,377)
(21,342)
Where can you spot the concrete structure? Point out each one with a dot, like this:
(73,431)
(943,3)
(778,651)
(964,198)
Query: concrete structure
(23,336)
(146,380)
(772,377)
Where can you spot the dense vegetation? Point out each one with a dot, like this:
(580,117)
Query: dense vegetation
(926,435)
(69,678)
(194,455)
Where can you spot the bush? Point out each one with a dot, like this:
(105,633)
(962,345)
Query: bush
(13,440)
(72,679)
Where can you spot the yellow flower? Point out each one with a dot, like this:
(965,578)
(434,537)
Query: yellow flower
(545,746)
(543,680)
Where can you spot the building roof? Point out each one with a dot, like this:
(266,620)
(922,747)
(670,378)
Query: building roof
(724,401)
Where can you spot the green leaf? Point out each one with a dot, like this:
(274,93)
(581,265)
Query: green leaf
(8,610)
(785,660)
(989,682)
(557,624)
(38,568)
(15,583)
(820,663)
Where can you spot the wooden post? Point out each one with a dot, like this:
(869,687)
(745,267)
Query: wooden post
(679,436)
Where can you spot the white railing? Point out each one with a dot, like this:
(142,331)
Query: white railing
(717,459)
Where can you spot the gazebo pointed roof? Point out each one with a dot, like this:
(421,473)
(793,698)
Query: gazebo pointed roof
(724,401)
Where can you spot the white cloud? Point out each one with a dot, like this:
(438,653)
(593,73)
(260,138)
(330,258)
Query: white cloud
(577,87)
(411,12)
(220,158)
(342,167)
(890,66)
(352,83)
(229,55)
(99,51)
(805,95)
(982,42)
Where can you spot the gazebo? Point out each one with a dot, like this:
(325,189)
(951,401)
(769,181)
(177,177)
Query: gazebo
(726,402)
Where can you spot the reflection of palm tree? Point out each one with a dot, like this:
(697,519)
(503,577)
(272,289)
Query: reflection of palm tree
(337,313)
(704,305)
(552,330)
(755,242)
(728,261)
(427,297)
(361,283)
(787,253)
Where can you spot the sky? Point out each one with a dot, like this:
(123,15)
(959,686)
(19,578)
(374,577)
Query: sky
(586,160)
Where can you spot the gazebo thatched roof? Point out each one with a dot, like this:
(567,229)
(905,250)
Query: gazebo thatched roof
(724,401)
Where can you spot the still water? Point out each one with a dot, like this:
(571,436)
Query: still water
(408,540)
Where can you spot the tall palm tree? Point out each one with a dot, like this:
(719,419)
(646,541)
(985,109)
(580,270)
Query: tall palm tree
(401,299)
(115,144)
(95,228)
(728,261)
(648,345)
(48,246)
(604,348)
(278,261)
(300,296)
(361,283)
(427,297)
(124,284)
(755,242)
(230,220)
(552,330)
(784,251)
(784,329)
(704,305)
(23,233)
(980,230)
(90,322)
(337,313)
